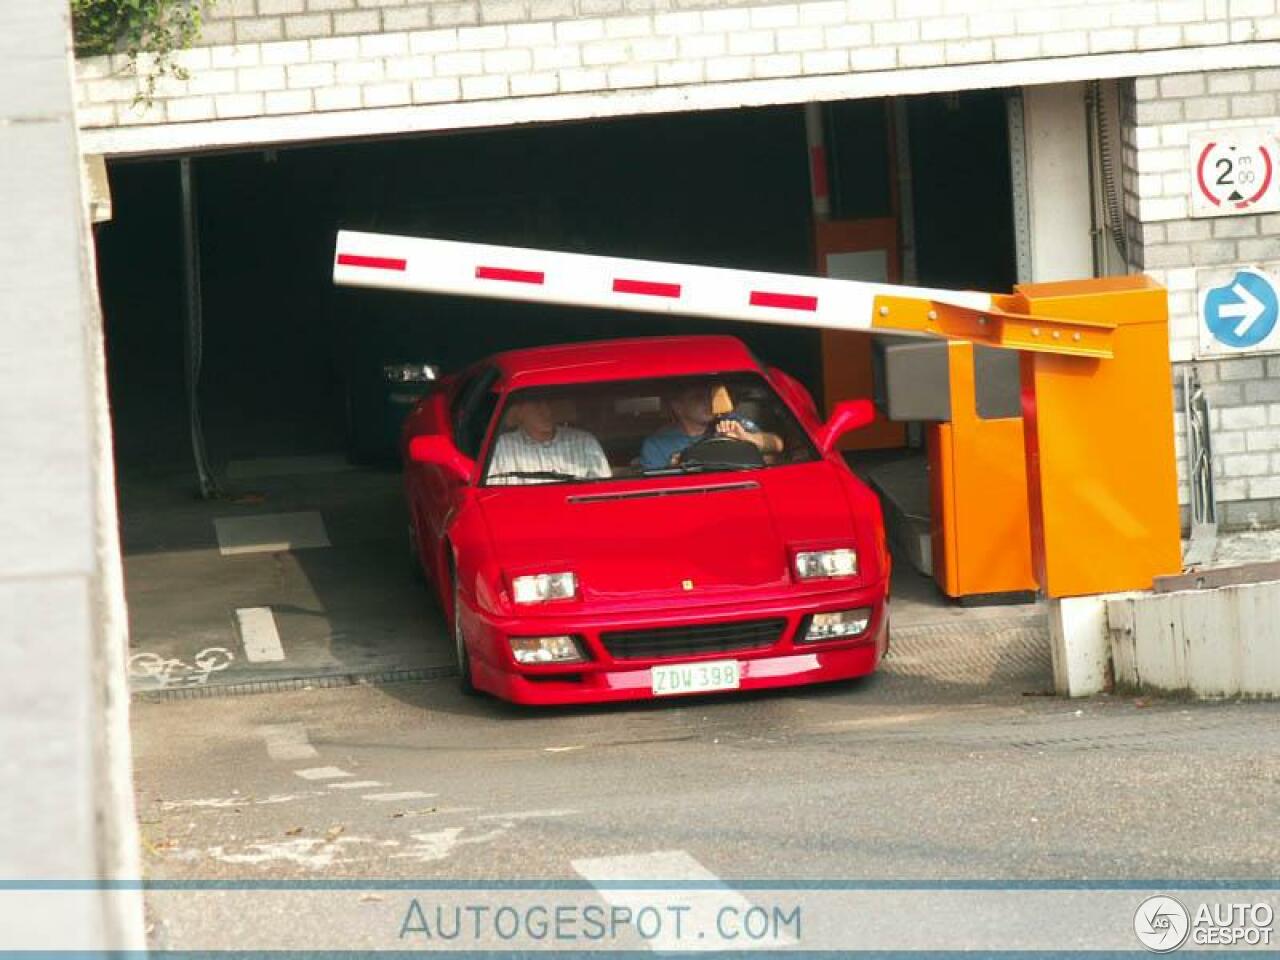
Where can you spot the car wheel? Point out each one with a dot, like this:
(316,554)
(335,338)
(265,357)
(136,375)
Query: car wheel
(460,645)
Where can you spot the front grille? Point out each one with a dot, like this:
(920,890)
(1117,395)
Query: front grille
(691,640)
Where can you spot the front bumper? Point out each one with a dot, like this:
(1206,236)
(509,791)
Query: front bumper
(605,678)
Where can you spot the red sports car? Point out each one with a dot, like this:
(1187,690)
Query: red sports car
(640,518)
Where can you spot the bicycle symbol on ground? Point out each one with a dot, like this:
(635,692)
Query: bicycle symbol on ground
(172,672)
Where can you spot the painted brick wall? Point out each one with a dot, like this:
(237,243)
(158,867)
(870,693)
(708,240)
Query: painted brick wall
(1161,113)
(275,57)
(1067,28)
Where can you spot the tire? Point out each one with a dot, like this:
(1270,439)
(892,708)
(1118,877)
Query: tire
(463,659)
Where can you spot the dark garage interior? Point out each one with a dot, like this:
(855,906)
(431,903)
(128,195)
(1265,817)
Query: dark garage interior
(292,365)
(291,385)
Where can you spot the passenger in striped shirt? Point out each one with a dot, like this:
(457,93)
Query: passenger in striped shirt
(538,450)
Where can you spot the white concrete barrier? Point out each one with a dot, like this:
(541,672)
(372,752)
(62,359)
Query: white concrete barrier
(1221,642)
(1079,645)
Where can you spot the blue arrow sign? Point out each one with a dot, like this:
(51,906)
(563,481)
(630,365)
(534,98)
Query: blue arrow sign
(1242,313)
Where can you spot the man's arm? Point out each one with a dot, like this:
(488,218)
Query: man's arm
(765,442)
(651,454)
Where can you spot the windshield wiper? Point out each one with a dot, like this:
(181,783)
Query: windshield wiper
(535,475)
(699,466)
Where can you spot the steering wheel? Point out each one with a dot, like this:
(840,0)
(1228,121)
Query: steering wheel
(715,447)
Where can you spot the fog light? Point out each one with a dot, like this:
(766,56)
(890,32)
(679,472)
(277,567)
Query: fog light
(563,649)
(833,626)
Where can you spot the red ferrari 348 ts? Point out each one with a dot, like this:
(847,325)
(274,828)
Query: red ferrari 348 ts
(639,518)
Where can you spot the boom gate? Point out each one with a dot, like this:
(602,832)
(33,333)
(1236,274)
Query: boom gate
(1096,387)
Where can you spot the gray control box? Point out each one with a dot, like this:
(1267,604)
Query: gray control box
(912,380)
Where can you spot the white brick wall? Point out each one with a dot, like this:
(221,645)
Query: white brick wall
(577,46)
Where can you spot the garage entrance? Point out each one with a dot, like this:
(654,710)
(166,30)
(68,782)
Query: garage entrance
(298,416)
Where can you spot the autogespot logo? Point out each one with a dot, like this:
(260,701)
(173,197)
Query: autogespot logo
(1162,924)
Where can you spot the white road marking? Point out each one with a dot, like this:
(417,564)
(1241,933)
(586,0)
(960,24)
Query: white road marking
(562,749)
(703,894)
(432,846)
(355,784)
(310,852)
(401,795)
(258,633)
(439,844)
(228,802)
(526,815)
(270,533)
(287,741)
(322,773)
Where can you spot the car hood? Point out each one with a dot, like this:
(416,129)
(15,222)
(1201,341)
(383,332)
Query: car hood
(700,538)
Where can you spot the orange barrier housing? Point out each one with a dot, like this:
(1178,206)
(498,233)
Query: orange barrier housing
(1101,470)
(981,530)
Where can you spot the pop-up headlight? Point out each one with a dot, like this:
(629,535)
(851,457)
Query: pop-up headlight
(820,564)
(541,587)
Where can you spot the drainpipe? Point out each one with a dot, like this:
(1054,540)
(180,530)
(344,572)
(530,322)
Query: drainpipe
(819,188)
(194,340)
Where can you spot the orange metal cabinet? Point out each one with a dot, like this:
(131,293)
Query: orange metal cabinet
(1099,441)
(980,525)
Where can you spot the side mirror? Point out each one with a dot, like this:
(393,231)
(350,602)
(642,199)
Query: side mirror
(849,415)
(433,448)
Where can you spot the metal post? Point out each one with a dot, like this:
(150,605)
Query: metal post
(193,344)
(906,201)
(1019,185)
(1203,507)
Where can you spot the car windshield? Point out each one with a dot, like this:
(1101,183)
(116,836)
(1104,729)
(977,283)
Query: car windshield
(643,428)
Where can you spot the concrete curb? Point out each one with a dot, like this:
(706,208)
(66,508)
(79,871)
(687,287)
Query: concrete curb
(318,681)
(962,628)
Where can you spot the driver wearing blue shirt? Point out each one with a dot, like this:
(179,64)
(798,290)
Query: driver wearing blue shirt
(693,410)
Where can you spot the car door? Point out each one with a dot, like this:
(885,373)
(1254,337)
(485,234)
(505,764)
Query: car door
(471,411)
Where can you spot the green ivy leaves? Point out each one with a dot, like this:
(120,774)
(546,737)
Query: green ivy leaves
(143,30)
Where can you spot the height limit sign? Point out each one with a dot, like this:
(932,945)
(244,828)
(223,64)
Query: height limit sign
(1234,172)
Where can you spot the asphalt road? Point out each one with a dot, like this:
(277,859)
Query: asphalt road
(880,779)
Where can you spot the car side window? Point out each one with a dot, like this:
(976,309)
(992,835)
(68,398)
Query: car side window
(473,408)
(459,402)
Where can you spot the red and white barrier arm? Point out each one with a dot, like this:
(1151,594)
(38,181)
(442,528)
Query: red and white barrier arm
(648,286)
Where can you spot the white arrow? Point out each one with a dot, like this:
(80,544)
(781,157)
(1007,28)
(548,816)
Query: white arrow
(1250,309)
